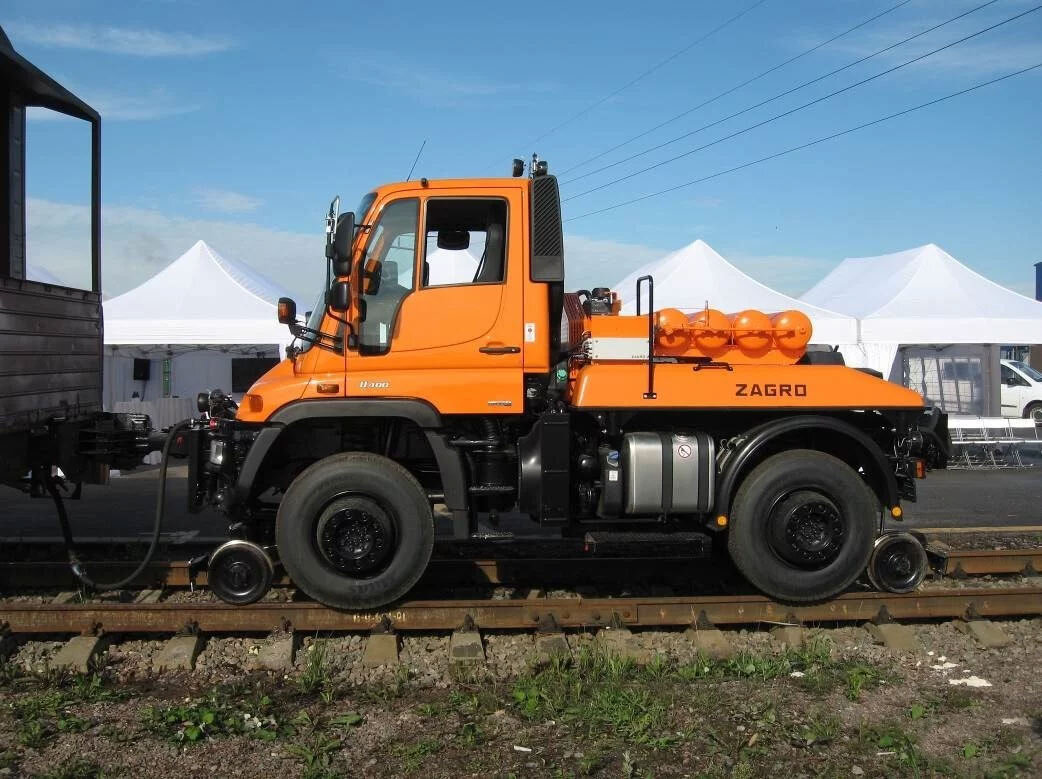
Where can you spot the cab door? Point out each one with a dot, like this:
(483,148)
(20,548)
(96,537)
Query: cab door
(443,322)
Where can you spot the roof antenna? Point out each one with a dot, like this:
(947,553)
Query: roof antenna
(416,160)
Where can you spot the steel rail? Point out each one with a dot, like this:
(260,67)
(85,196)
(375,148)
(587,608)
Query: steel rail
(20,576)
(93,618)
(976,562)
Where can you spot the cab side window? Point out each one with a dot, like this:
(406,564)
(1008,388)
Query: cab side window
(465,242)
(387,272)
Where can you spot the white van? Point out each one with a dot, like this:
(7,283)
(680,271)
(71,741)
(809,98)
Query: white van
(1021,391)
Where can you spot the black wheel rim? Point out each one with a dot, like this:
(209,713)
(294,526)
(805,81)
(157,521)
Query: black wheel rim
(806,529)
(239,576)
(898,565)
(356,536)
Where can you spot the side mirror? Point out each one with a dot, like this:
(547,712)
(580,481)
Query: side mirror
(287,311)
(340,296)
(342,240)
(453,240)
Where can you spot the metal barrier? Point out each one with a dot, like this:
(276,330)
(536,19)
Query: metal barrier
(991,442)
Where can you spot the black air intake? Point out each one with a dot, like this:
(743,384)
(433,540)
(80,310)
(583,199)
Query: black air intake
(547,235)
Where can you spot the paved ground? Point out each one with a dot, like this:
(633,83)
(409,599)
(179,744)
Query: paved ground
(124,508)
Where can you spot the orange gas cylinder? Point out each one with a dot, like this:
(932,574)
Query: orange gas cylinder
(752,331)
(671,329)
(792,330)
(711,330)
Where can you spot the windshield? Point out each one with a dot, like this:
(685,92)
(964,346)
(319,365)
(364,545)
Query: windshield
(314,322)
(314,319)
(1027,370)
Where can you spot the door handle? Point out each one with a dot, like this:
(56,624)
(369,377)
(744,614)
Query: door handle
(500,349)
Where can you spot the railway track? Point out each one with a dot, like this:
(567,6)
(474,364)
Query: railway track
(527,614)
(143,616)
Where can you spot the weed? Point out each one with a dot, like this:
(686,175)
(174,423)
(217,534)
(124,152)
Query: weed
(901,744)
(315,675)
(597,692)
(822,729)
(429,710)
(213,716)
(315,755)
(413,755)
(386,690)
(859,676)
(470,734)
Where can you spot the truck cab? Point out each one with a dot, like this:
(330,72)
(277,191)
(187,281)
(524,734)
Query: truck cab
(447,365)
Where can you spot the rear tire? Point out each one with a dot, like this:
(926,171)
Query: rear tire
(1034,412)
(355,531)
(802,526)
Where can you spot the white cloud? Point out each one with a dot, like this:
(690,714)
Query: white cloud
(156,104)
(594,262)
(425,82)
(138,242)
(116,40)
(226,201)
(995,52)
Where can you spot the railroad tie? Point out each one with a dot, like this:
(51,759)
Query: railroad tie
(179,653)
(79,653)
(465,645)
(898,638)
(278,654)
(987,633)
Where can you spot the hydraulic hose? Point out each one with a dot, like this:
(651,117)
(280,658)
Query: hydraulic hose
(157,527)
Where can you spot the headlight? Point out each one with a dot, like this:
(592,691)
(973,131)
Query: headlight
(217,452)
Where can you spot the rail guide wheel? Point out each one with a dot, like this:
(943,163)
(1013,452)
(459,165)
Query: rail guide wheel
(240,572)
(898,563)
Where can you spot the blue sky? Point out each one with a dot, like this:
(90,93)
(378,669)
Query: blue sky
(236,122)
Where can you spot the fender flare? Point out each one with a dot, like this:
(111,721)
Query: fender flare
(423,414)
(755,439)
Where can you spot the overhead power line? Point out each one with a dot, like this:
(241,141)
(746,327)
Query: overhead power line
(601,101)
(777,96)
(801,107)
(806,145)
(736,87)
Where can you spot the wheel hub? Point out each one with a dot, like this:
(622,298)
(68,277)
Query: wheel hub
(240,572)
(898,563)
(807,530)
(356,536)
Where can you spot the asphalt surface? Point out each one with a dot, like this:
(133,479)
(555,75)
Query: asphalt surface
(124,509)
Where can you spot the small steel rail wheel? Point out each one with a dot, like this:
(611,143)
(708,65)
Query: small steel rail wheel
(802,526)
(898,563)
(355,531)
(240,572)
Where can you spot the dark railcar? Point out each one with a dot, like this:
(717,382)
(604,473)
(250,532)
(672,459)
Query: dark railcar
(50,335)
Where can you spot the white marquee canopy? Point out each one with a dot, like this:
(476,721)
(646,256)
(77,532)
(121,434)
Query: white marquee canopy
(695,275)
(201,312)
(926,296)
(200,298)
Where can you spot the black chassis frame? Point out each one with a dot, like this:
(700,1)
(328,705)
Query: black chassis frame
(909,434)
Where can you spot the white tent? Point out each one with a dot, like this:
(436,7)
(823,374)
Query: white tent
(200,312)
(689,278)
(945,319)
(926,296)
(451,267)
(41,274)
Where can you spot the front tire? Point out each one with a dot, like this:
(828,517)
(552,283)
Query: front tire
(802,526)
(1034,413)
(355,531)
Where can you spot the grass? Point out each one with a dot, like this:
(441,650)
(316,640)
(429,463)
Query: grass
(213,715)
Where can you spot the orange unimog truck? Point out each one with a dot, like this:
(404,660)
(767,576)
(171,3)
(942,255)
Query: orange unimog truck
(446,364)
